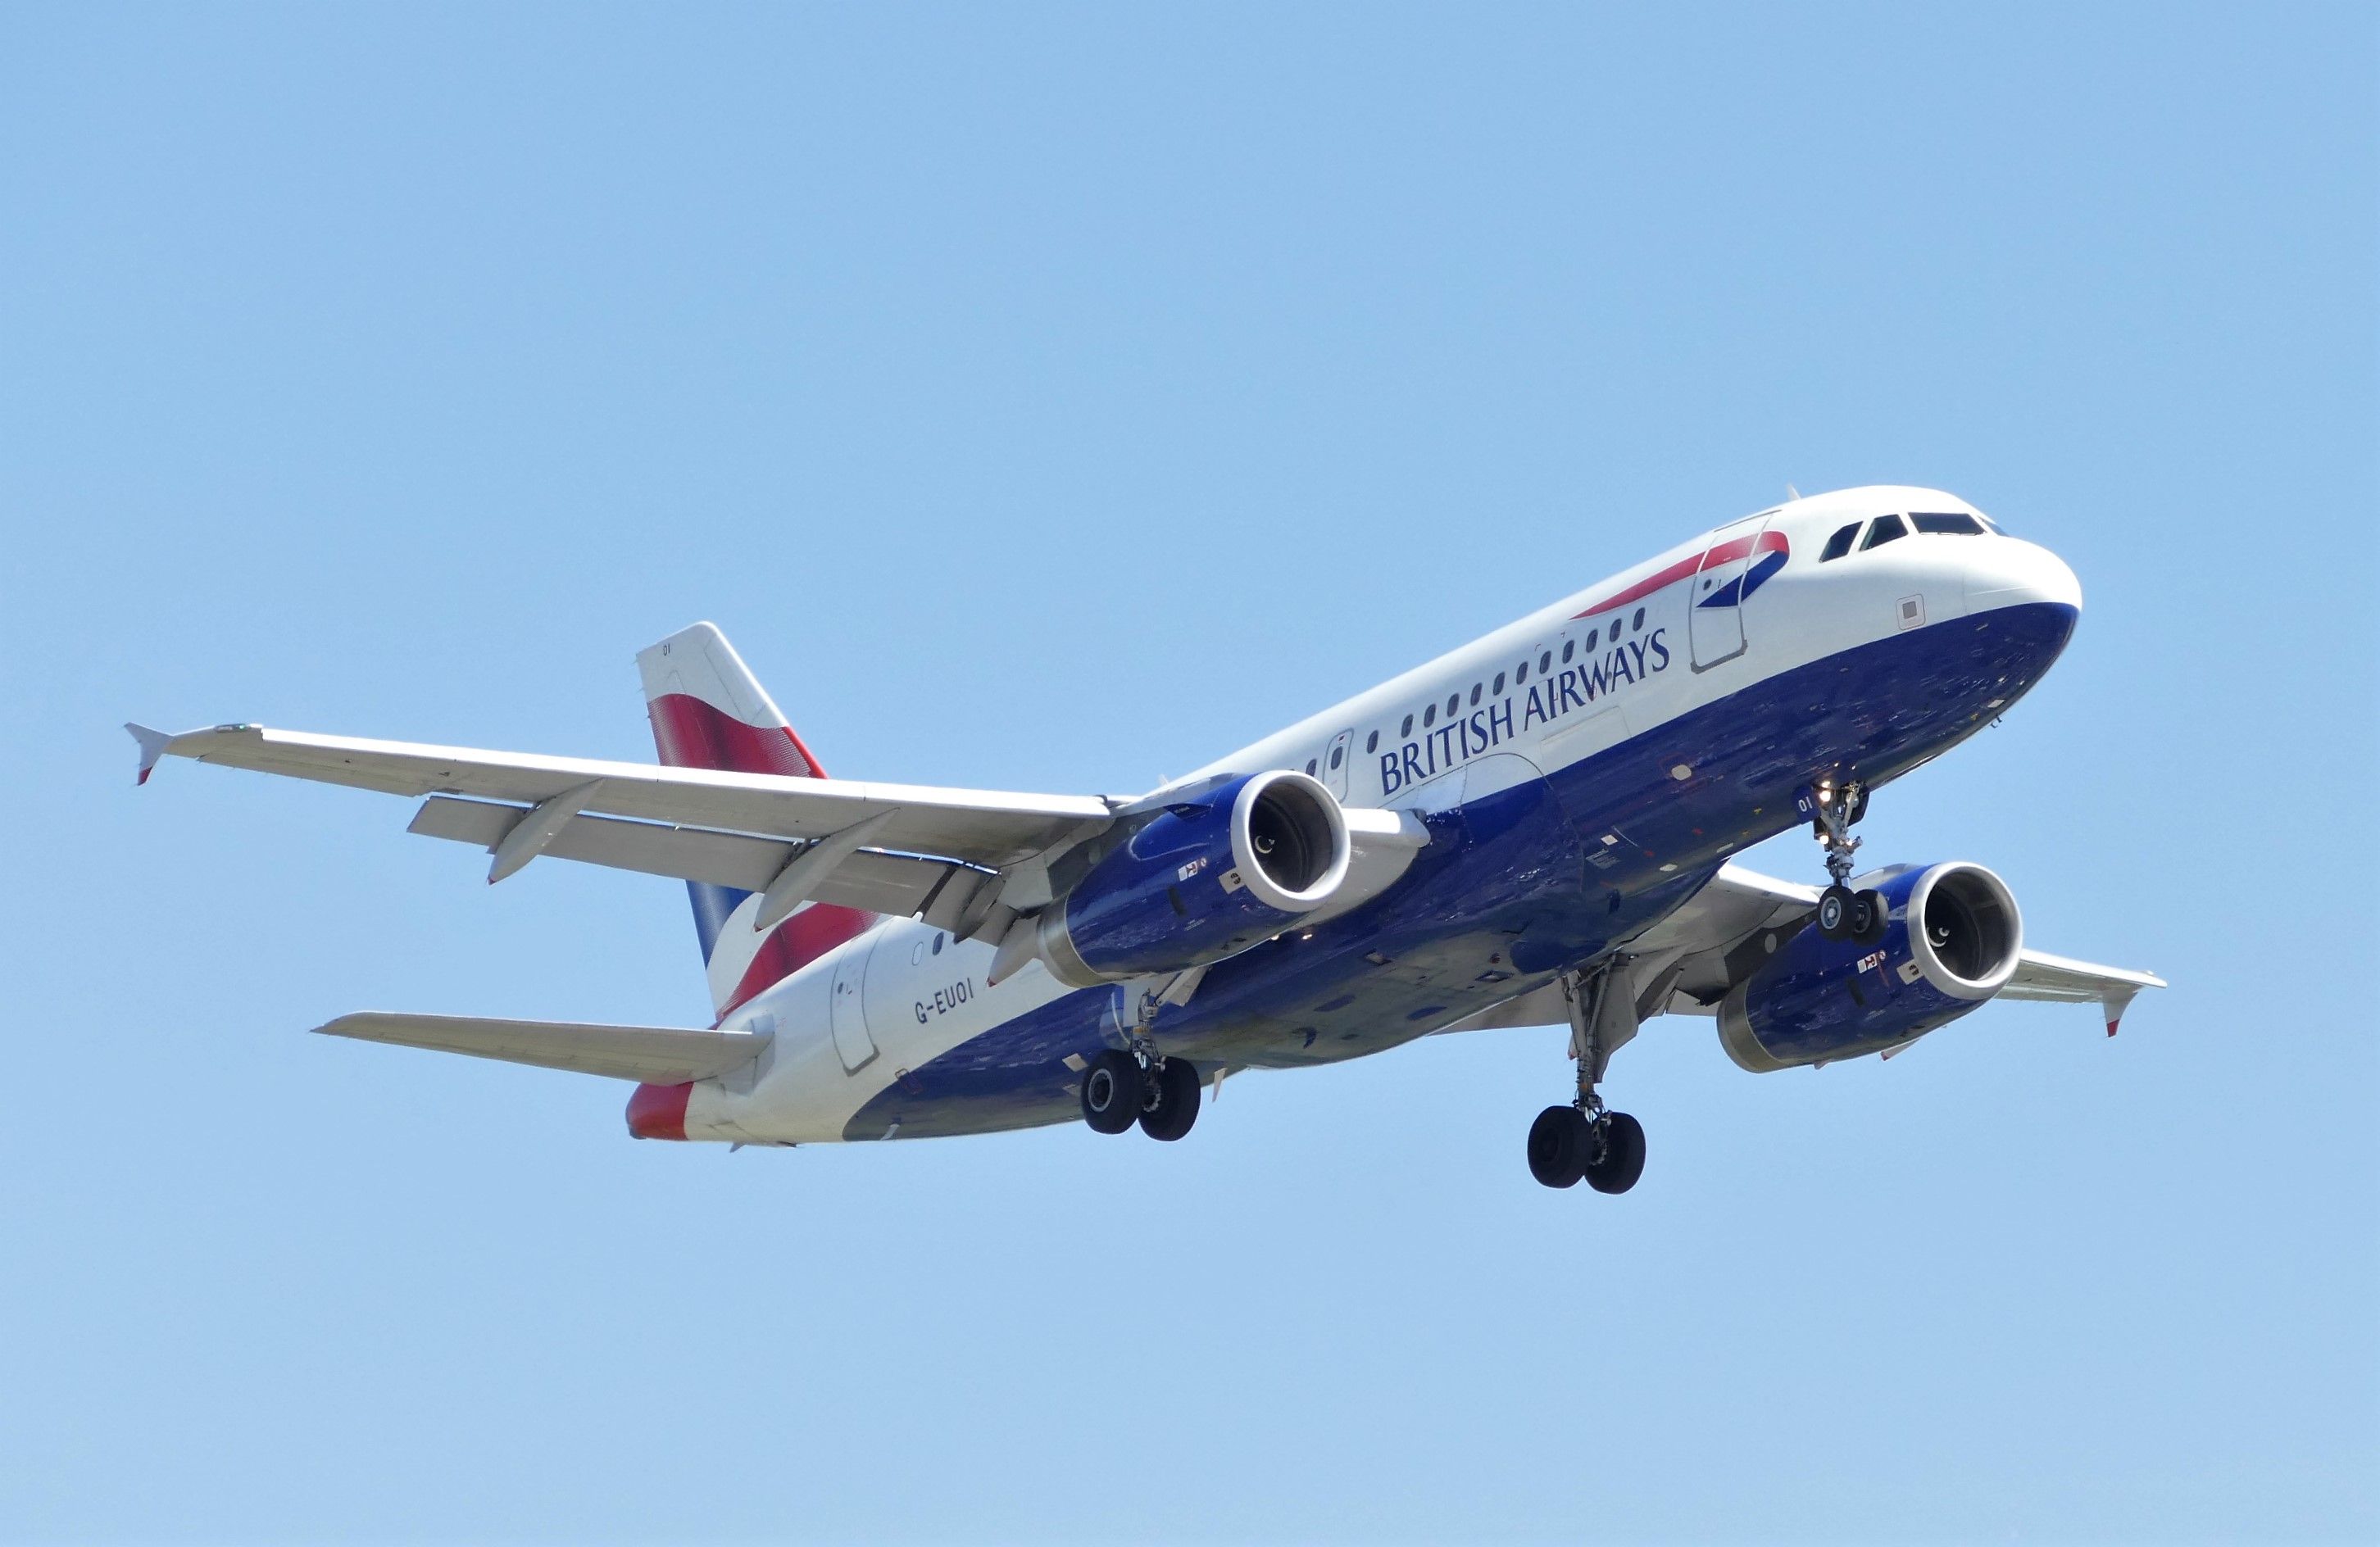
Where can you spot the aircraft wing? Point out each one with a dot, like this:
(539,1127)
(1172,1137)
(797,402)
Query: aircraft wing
(655,1055)
(736,828)
(1684,964)
(2040,975)
(1697,940)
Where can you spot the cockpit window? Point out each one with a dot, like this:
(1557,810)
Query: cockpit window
(1948,522)
(1886,527)
(1841,543)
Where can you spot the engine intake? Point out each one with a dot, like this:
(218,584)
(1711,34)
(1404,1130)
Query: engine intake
(1201,880)
(1951,944)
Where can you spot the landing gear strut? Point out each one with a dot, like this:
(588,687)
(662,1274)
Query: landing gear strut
(1583,1142)
(1844,915)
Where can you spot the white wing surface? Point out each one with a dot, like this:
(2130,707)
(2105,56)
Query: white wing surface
(1684,964)
(2040,975)
(981,827)
(1739,904)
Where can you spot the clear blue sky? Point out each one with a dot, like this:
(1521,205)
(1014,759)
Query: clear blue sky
(1052,399)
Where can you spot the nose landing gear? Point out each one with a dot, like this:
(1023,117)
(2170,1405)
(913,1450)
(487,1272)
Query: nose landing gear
(1844,915)
(1584,1142)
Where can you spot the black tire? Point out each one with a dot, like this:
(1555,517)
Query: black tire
(1871,916)
(1834,916)
(1171,1103)
(1558,1147)
(1622,1160)
(1112,1092)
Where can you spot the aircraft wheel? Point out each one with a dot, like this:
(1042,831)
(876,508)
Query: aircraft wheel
(1170,1105)
(1558,1147)
(1871,916)
(1834,913)
(1622,1160)
(1113,1088)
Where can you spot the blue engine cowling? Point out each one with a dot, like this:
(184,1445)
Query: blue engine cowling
(1951,943)
(1204,879)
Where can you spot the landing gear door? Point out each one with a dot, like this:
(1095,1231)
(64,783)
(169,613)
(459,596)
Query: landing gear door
(1715,601)
(1334,763)
(845,1009)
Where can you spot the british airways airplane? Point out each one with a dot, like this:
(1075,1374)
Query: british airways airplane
(1532,830)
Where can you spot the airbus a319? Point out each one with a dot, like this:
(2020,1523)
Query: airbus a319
(1534,829)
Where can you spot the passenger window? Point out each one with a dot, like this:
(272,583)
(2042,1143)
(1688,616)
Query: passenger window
(1310,765)
(1520,673)
(1337,753)
(1570,648)
(1498,688)
(1429,716)
(1476,691)
(1372,741)
(937,944)
(1841,543)
(1592,635)
(1945,524)
(1886,527)
(1545,663)
(1406,729)
(1454,704)
(1636,624)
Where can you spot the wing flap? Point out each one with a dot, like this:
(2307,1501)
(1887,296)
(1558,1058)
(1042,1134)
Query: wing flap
(893,884)
(652,1055)
(982,826)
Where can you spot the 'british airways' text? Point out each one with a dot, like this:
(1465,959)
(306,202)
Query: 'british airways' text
(1547,700)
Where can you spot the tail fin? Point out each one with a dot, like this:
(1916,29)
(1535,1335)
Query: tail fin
(709,711)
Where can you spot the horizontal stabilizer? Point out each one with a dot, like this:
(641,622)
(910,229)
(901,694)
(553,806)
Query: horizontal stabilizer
(653,1054)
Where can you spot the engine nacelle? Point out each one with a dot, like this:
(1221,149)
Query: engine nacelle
(1201,880)
(1951,943)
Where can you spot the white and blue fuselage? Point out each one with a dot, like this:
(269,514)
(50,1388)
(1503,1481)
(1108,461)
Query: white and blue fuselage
(1580,774)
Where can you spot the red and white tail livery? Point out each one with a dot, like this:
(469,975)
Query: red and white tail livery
(709,711)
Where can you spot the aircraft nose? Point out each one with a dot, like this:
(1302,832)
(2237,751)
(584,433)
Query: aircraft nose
(2009,571)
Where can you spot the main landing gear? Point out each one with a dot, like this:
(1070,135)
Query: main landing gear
(1583,1142)
(1121,1088)
(1845,914)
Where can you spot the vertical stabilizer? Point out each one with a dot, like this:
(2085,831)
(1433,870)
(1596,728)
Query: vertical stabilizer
(709,711)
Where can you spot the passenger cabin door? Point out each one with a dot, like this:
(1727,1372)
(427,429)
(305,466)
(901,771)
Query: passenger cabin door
(1334,763)
(1715,598)
(845,1016)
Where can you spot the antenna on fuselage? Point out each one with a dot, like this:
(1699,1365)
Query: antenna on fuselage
(1792,492)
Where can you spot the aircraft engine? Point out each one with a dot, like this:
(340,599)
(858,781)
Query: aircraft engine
(1949,943)
(1206,878)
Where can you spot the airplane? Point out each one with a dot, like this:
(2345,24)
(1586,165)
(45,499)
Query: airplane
(1532,830)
